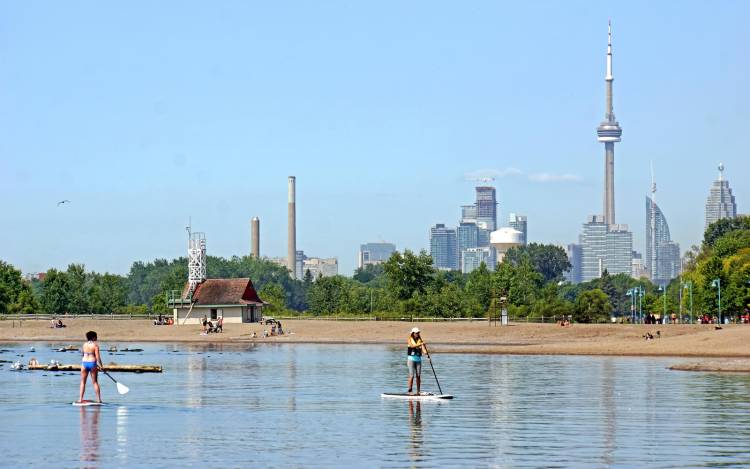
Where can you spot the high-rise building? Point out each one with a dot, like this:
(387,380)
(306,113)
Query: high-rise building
(575,257)
(472,258)
(299,262)
(720,203)
(637,266)
(467,235)
(320,267)
(469,213)
(444,247)
(518,222)
(374,253)
(605,247)
(609,132)
(662,254)
(486,208)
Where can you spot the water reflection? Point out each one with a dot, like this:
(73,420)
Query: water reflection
(415,432)
(90,436)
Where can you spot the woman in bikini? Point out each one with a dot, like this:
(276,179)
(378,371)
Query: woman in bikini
(91,362)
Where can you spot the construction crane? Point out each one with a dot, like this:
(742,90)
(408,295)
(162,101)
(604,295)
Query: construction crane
(484,180)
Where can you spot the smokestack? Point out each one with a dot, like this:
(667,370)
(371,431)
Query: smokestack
(255,237)
(292,228)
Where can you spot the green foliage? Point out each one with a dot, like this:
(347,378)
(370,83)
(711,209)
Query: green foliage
(592,306)
(549,260)
(369,273)
(107,293)
(408,274)
(274,295)
(13,290)
(720,228)
(55,292)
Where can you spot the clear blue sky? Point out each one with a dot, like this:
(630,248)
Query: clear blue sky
(146,113)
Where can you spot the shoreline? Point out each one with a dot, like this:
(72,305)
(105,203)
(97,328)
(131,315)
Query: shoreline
(676,341)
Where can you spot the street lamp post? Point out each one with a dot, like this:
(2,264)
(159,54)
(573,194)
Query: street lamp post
(689,286)
(664,297)
(641,292)
(631,294)
(717,283)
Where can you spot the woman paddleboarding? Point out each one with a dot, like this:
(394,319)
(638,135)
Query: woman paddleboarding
(414,349)
(91,363)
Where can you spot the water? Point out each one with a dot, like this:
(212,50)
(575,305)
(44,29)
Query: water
(319,405)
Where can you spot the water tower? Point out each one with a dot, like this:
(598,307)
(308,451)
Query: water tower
(504,239)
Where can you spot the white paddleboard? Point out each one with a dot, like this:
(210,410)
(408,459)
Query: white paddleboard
(87,403)
(424,396)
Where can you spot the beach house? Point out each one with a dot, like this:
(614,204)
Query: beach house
(234,299)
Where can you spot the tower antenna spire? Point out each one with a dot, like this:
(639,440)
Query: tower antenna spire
(608,133)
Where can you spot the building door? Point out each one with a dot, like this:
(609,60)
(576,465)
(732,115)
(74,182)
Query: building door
(214,314)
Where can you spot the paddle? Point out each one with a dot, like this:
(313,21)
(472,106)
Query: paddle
(121,388)
(433,368)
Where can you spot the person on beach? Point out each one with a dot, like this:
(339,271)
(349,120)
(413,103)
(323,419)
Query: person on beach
(414,349)
(204,322)
(91,363)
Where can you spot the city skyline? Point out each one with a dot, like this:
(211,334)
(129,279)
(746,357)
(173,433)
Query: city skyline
(123,145)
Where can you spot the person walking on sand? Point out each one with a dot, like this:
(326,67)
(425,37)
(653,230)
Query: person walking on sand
(414,349)
(91,363)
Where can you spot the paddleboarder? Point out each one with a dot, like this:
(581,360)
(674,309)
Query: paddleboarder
(91,362)
(414,350)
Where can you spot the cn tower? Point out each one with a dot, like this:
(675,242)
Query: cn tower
(609,132)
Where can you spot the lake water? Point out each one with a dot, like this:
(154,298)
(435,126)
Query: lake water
(319,405)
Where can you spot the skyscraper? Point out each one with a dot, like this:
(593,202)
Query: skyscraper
(662,255)
(720,203)
(472,258)
(518,222)
(575,257)
(444,247)
(605,247)
(374,253)
(609,132)
(486,208)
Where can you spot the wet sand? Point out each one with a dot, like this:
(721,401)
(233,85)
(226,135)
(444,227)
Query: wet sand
(700,341)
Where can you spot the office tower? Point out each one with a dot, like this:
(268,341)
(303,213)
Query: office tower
(444,247)
(299,262)
(291,249)
(255,237)
(469,213)
(486,208)
(575,257)
(720,203)
(374,253)
(638,266)
(472,258)
(609,132)
(605,247)
(518,222)
(467,237)
(662,254)
(320,267)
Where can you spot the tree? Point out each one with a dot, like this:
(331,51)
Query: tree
(107,293)
(549,260)
(11,285)
(274,295)
(723,226)
(479,287)
(55,292)
(78,301)
(408,274)
(368,273)
(591,306)
(25,302)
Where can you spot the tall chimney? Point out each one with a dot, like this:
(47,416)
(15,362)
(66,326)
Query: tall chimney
(255,237)
(292,229)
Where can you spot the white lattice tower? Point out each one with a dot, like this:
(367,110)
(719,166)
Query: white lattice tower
(196,261)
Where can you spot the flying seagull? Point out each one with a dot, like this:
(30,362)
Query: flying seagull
(66,201)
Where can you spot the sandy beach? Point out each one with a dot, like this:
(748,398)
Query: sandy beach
(699,341)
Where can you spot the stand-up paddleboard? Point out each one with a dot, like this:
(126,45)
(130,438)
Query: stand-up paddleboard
(87,403)
(423,396)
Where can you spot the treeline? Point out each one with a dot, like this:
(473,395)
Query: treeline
(529,282)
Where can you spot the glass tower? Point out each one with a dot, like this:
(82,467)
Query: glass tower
(444,247)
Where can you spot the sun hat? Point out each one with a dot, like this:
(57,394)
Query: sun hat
(415,330)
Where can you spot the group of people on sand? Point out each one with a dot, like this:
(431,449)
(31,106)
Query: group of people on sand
(163,321)
(56,324)
(210,327)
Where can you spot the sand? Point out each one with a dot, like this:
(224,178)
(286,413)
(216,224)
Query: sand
(700,341)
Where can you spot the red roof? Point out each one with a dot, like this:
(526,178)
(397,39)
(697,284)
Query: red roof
(225,291)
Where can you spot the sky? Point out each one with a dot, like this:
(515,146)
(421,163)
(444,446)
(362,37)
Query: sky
(146,115)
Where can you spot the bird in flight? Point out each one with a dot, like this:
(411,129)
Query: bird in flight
(66,201)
